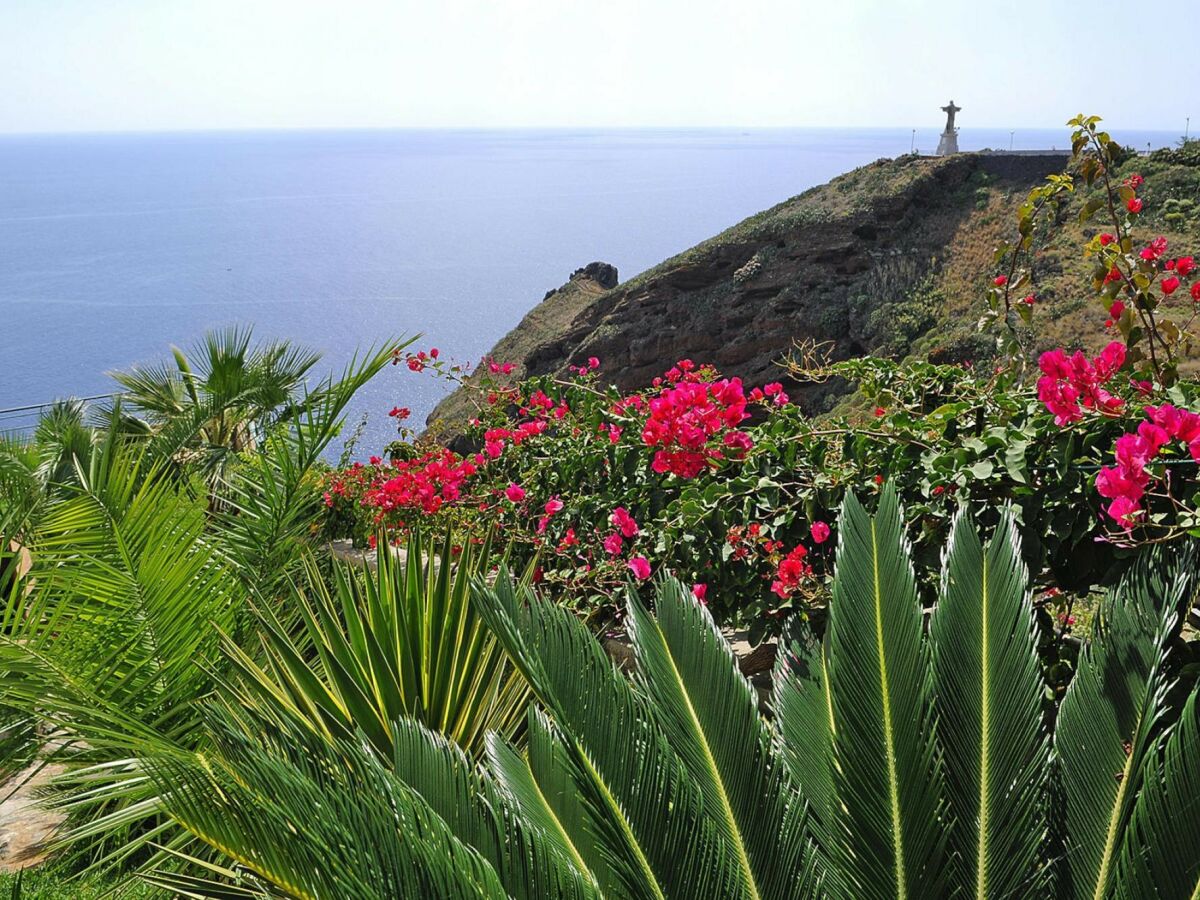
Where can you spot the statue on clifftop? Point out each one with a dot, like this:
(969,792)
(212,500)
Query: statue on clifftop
(948,143)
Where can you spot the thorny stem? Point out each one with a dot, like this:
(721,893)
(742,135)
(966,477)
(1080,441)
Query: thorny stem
(1147,314)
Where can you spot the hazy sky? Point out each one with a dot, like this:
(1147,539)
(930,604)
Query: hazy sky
(87,65)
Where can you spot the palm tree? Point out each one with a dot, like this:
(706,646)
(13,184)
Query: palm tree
(902,762)
(222,400)
(113,641)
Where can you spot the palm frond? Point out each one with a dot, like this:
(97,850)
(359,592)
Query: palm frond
(889,774)
(109,643)
(318,819)
(1110,715)
(642,811)
(1160,856)
(710,715)
(804,735)
(989,689)
(269,502)
(540,789)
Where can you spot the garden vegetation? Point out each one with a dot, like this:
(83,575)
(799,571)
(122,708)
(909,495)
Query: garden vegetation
(981,583)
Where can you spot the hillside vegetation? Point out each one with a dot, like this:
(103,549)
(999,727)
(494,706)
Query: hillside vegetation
(890,259)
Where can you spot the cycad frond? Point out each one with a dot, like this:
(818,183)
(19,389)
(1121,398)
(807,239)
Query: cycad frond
(1110,714)
(319,819)
(644,813)
(1160,857)
(804,731)
(989,689)
(710,715)
(889,774)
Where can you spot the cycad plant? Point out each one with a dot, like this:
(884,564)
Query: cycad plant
(903,760)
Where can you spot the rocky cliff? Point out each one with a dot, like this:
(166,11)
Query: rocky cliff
(886,259)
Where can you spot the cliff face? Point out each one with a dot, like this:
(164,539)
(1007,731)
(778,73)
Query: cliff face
(858,263)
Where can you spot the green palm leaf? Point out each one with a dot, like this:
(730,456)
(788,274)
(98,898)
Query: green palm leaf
(400,641)
(1110,714)
(1160,858)
(318,819)
(710,715)
(540,789)
(989,689)
(804,734)
(640,809)
(889,775)
(531,860)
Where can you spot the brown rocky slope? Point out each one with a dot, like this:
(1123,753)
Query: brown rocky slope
(887,259)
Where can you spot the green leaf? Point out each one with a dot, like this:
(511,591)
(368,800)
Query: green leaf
(1108,716)
(710,715)
(804,717)
(989,687)
(889,777)
(1160,857)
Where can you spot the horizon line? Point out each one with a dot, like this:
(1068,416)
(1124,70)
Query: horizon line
(116,132)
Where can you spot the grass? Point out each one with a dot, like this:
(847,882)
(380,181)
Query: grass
(51,883)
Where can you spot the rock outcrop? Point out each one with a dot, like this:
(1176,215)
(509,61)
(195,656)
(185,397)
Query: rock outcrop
(844,263)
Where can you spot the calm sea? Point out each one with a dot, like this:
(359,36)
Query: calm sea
(114,247)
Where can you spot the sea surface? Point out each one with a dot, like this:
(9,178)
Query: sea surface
(113,247)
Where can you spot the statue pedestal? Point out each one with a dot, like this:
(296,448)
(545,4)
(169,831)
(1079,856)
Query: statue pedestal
(948,144)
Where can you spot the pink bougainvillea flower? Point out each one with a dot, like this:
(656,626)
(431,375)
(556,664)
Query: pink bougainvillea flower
(1070,384)
(1154,250)
(624,522)
(700,592)
(819,531)
(1134,205)
(775,391)
(553,505)
(1195,291)
(613,544)
(593,362)
(1116,309)
(738,441)
(1030,300)
(514,492)
(640,567)
(1000,280)
(1169,285)
(400,413)
(1184,266)
(791,570)
(880,411)
(1106,239)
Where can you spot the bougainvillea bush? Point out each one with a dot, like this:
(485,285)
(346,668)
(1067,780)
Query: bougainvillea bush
(731,487)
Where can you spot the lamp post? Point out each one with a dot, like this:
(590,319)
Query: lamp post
(1010,141)
(912,146)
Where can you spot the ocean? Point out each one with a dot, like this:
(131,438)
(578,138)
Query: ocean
(113,247)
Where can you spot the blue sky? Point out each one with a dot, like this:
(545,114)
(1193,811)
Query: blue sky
(100,65)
